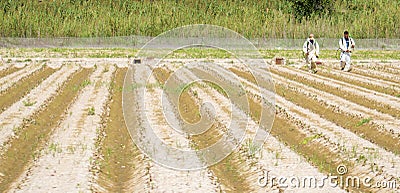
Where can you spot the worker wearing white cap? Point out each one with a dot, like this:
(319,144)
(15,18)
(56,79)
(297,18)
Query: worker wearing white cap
(311,52)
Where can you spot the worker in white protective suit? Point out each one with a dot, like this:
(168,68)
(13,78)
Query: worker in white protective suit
(346,46)
(311,53)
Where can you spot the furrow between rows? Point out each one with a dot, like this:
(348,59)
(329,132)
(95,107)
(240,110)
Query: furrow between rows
(384,67)
(378,74)
(23,86)
(7,81)
(149,120)
(375,84)
(7,70)
(118,166)
(342,142)
(374,72)
(33,135)
(373,100)
(65,160)
(236,172)
(344,107)
(276,156)
(20,112)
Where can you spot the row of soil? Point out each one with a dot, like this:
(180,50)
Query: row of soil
(291,132)
(366,82)
(232,172)
(121,164)
(280,125)
(34,134)
(23,86)
(367,130)
(7,71)
(18,113)
(365,100)
(65,158)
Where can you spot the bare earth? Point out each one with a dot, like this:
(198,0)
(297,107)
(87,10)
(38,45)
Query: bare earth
(330,112)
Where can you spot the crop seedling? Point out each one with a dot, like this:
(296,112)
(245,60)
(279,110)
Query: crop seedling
(106,69)
(82,85)
(71,149)
(252,149)
(54,148)
(309,139)
(28,103)
(91,111)
(85,83)
(363,122)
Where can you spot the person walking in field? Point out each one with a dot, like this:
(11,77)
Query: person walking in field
(346,45)
(311,53)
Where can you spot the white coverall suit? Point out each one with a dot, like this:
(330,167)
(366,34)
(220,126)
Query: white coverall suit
(312,48)
(345,57)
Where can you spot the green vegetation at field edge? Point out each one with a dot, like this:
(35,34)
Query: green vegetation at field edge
(253,19)
(186,53)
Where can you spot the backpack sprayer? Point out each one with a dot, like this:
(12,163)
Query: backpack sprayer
(339,51)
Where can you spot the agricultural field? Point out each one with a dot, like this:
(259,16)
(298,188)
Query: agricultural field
(62,124)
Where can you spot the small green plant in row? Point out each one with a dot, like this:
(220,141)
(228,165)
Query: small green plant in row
(309,139)
(91,111)
(363,122)
(28,103)
(84,84)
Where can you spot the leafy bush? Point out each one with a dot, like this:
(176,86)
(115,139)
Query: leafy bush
(307,8)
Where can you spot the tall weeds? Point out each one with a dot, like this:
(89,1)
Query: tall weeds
(253,19)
